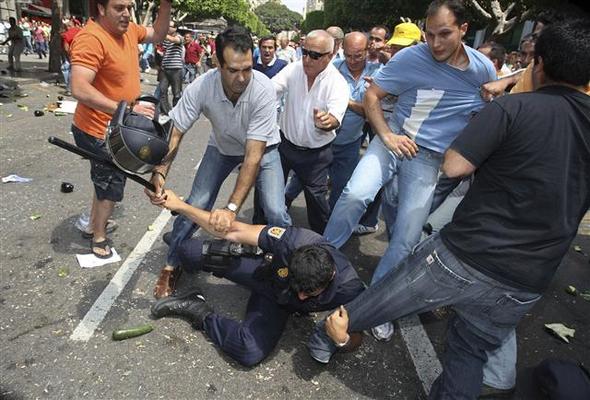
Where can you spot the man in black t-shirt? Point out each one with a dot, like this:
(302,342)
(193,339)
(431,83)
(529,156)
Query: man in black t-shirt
(514,226)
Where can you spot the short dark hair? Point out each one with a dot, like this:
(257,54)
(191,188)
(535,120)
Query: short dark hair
(235,37)
(311,268)
(386,29)
(497,51)
(268,37)
(565,50)
(455,6)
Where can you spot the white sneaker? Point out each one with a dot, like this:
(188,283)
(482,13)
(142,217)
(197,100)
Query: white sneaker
(384,332)
(364,230)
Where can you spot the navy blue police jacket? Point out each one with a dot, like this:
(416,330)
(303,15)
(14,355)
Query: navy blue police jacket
(281,243)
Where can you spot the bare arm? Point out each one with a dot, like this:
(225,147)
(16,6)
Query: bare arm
(356,107)
(498,87)
(222,219)
(238,232)
(456,166)
(85,93)
(160,172)
(157,33)
(401,145)
(324,120)
(174,39)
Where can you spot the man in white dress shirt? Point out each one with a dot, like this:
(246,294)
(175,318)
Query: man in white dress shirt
(317,98)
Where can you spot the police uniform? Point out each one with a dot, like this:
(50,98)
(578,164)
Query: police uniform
(271,301)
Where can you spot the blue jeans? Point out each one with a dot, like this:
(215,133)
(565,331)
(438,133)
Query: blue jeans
(486,312)
(346,158)
(212,172)
(500,369)
(28,45)
(409,185)
(172,78)
(65,70)
(189,73)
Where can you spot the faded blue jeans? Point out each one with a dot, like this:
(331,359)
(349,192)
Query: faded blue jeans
(409,189)
(213,170)
(486,312)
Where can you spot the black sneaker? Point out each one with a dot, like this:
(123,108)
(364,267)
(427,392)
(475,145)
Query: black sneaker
(190,306)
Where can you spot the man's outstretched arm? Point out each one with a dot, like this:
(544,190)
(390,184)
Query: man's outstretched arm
(238,232)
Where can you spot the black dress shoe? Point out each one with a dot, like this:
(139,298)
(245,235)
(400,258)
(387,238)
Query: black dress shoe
(190,306)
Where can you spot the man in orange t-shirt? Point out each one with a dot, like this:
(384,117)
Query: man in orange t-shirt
(105,71)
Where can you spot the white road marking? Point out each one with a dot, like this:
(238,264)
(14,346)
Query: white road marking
(421,351)
(102,305)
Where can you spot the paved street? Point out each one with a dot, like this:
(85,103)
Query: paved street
(45,295)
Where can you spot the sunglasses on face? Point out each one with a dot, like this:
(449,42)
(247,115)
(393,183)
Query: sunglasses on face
(314,55)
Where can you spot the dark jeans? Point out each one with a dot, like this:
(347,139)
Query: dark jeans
(250,341)
(311,167)
(172,78)
(432,277)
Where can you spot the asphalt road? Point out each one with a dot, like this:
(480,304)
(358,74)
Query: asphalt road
(44,294)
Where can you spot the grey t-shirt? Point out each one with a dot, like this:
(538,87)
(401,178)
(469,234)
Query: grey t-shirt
(253,117)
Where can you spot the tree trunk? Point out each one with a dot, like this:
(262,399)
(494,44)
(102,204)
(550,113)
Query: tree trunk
(148,13)
(55,43)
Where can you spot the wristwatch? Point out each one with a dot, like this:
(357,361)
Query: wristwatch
(233,207)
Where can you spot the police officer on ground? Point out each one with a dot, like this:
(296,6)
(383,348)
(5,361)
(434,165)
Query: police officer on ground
(299,272)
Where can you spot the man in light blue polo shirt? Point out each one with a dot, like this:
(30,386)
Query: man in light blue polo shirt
(438,89)
(345,148)
(241,105)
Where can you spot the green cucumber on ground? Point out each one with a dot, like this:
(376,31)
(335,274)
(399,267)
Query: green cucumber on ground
(122,334)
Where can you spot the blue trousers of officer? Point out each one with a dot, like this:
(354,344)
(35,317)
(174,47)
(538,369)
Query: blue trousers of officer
(250,341)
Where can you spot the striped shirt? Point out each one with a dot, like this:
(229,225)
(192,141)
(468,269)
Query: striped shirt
(172,55)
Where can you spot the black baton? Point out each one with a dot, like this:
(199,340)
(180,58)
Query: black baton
(86,154)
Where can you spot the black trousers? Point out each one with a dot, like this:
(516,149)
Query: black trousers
(251,340)
(311,167)
(173,78)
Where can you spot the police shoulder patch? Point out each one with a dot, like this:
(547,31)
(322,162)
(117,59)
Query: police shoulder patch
(276,232)
(283,272)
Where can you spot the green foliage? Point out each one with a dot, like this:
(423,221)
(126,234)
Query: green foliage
(313,20)
(234,11)
(362,15)
(277,17)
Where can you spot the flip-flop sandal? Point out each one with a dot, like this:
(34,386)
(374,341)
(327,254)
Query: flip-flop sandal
(110,228)
(104,245)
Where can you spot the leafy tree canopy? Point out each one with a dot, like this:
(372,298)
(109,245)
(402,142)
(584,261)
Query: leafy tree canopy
(498,15)
(277,17)
(313,20)
(235,11)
